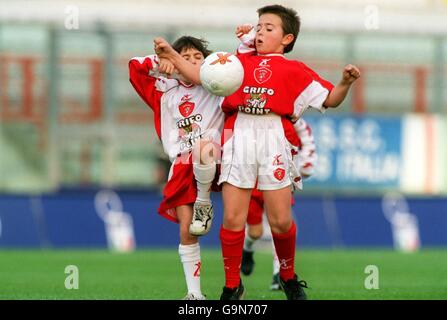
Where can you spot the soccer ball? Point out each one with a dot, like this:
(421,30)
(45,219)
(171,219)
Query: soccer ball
(221,73)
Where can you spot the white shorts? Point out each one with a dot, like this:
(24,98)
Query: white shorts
(258,151)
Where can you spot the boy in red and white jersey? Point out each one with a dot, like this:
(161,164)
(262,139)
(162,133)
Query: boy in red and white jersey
(273,90)
(188,120)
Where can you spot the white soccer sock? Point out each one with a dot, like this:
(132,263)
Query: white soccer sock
(248,243)
(190,258)
(204,174)
(275,260)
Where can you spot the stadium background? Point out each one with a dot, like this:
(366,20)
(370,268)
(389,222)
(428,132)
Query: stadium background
(72,126)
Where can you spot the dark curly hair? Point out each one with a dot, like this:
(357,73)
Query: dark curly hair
(188,42)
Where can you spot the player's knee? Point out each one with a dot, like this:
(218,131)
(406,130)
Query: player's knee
(255,231)
(205,152)
(280,224)
(209,152)
(233,222)
(184,230)
(233,226)
(255,235)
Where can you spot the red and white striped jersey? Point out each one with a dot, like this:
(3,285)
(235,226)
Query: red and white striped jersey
(182,113)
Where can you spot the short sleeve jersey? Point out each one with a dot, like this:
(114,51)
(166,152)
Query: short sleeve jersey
(274,84)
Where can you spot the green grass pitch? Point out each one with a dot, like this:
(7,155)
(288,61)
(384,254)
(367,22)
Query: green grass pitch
(157,274)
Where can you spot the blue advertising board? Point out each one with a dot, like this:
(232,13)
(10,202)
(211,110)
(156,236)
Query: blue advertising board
(356,153)
(70,220)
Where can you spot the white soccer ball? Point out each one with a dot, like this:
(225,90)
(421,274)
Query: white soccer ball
(221,73)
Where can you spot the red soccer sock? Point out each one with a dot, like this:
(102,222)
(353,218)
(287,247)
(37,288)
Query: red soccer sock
(285,249)
(232,243)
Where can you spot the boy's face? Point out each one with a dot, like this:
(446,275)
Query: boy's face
(192,55)
(270,37)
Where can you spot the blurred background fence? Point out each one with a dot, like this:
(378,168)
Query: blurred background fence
(70,117)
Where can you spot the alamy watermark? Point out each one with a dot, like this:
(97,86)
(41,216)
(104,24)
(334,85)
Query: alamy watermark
(372,280)
(372,17)
(72,17)
(72,279)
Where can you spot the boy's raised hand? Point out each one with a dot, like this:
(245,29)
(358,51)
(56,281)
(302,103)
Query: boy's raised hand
(243,29)
(339,92)
(162,48)
(350,74)
(183,68)
(166,67)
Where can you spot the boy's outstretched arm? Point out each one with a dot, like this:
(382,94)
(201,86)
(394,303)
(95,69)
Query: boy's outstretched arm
(164,50)
(338,94)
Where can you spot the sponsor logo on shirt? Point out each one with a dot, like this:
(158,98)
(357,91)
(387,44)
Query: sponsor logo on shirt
(268,91)
(255,100)
(187,123)
(189,138)
(189,130)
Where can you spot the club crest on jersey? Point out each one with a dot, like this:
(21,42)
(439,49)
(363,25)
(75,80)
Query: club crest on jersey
(279,174)
(186,108)
(262,74)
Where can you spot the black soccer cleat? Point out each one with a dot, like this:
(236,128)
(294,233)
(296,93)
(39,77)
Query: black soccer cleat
(247,264)
(233,294)
(294,288)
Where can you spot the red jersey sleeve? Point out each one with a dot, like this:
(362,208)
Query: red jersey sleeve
(143,75)
(326,84)
(314,94)
(143,83)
